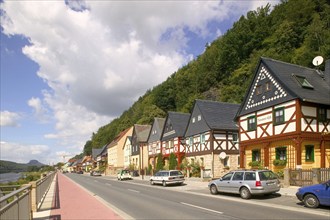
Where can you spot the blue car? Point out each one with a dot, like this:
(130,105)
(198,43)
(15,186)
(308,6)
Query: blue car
(315,195)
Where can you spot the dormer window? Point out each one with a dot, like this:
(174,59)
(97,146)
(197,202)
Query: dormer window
(303,82)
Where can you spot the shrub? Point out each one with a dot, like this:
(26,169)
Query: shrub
(279,162)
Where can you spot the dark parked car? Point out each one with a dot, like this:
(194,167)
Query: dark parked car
(315,195)
(80,172)
(95,173)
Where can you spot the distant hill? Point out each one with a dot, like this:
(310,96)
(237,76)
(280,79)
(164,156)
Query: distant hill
(9,166)
(35,163)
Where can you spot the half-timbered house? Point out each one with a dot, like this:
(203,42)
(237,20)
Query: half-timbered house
(173,135)
(212,131)
(139,157)
(154,140)
(284,120)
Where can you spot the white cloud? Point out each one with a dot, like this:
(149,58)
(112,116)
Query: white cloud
(98,57)
(40,110)
(9,119)
(24,152)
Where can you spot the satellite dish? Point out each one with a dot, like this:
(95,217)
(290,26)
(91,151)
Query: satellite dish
(222,155)
(317,60)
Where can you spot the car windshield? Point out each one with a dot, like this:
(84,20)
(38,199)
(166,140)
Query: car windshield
(176,173)
(125,171)
(267,175)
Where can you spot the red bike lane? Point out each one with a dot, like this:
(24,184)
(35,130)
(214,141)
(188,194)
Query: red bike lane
(71,201)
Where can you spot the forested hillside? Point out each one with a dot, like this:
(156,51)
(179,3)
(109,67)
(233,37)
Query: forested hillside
(294,31)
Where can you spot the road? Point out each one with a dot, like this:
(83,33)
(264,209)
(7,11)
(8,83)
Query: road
(138,200)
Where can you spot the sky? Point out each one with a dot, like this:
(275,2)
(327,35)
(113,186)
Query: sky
(70,67)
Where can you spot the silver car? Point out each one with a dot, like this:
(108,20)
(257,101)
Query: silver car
(246,183)
(167,177)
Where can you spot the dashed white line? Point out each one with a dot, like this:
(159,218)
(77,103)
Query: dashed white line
(199,207)
(132,190)
(108,184)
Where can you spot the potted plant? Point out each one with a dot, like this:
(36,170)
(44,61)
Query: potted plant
(278,162)
(254,164)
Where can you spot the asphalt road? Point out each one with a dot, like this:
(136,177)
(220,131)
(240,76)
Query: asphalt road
(139,200)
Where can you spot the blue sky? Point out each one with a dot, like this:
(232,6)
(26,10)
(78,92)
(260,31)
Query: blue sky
(70,67)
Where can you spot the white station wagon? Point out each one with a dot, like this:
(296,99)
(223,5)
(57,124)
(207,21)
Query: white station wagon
(246,183)
(167,177)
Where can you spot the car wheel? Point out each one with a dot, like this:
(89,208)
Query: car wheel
(152,182)
(311,201)
(213,189)
(164,183)
(245,193)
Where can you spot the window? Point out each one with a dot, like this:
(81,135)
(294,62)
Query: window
(238,176)
(279,116)
(193,120)
(268,86)
(227,176)
(309,153)
(202,138)
(303,82)
(191,141)
(252,123)
(255,155)
(250,176)
(258,90)
(280,153)
(199,117)
(235,137)
(322,114)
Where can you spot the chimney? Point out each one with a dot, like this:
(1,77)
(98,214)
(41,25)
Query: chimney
(327,71)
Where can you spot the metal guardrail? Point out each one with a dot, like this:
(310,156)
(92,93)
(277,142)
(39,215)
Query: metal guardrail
(39,190)
(17,204)
(21,203)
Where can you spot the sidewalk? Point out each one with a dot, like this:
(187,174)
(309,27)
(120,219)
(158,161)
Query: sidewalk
(67,200)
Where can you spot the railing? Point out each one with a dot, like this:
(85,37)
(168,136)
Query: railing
(305,177)
(17,204)
(39,190)
(324,174)
(21,203)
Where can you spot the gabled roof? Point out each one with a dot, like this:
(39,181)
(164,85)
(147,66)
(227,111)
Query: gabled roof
(96,152)
(142,132)
(175,125)
(214,116)
(118,137)
(128,139)
(104,150)
(156,130)
(287,82)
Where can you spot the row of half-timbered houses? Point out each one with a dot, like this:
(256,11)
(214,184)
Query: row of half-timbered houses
(283,122)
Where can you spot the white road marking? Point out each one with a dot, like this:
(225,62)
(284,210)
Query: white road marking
(132,190)
(199,207)
(108,184)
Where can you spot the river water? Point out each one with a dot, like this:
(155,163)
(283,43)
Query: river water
(9,177)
